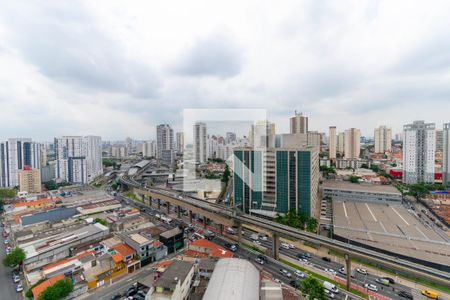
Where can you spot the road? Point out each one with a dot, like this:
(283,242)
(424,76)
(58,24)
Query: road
(7,287)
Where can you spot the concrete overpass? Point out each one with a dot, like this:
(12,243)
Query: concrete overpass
(225,216)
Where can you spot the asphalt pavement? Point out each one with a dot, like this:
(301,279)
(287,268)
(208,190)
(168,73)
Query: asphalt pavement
(7,287)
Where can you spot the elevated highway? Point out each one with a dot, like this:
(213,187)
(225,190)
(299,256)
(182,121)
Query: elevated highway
(229,217)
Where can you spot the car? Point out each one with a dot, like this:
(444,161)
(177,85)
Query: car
(19,287)
(362,271)
(6,242)
(301,255)
(16,279)
(259,261)
(285,273)
(262,257)
(116,297)
(391,280)
(327,259)
(331,271)
(285,246)
(291,246)
(342,270)
(406,295)
(299,274)
(430,294)
(295,284)
(257,242)
(382,281)
(263,238)
(371,287)
(277,280)
(329,294)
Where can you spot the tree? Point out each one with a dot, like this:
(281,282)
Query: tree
(313,288)
(58,291)
(14,258)
(375,168)
(101,221)
(311,225)
(354,179)
(226,174)
(364,166)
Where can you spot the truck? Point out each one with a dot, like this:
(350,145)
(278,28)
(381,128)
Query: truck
(331,287)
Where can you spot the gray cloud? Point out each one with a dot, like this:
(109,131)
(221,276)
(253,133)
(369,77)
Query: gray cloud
(66,45)
(216,55)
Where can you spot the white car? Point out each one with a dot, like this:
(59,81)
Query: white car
(299,274)
(263,238)
(257,242)
(342,271)
(362,271)
(19,287)
(291,246)
(286,273)
(331,271)
(259,261)
(6,242)
(329,294)
(285,246)
(371,287)
(16,279)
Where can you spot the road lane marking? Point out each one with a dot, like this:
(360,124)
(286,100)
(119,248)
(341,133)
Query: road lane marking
(345,210)
(373,216)
(399,215)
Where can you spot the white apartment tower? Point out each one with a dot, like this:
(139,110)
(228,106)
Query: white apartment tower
(341,142)
(446,154)
(15,154)
(262,134)
(299,123)
(164,139)
(419,145)
(200,142)
(332,143)
(78,158)
(180,142)
(149,149)
(352,144)
(383,139)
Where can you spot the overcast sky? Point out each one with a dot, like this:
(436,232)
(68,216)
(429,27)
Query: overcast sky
(118,68)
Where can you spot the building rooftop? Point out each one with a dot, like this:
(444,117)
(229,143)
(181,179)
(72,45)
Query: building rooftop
(360,187)
(233,278)
(37,290)
(170,233)
(124,249)
(178,270)
(212,249)
(138,238)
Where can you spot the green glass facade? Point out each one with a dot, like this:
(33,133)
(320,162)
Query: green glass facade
(248,179)
(293,181)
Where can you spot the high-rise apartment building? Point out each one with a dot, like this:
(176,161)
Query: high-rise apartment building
(341,143)
(383,139)
(118,151)
(262,135)
(439,140)
(164,139)
(200,142)
(446,154)
(78,158)
(180,142)
(15,154)
(332,144)
(149,149)
(419,145)
(277,179)
(30,180)
(314,139)
(230,137)
(299,123)
(352,144)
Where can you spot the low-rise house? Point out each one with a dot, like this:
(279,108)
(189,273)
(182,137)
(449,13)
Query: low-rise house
(203,248)
(147,249)
(174,283)
(173,239)
(129,256)
(104,270)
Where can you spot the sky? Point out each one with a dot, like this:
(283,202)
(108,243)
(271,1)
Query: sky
(118,68)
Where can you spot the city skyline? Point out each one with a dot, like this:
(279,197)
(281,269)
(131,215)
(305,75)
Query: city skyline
(117,75)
